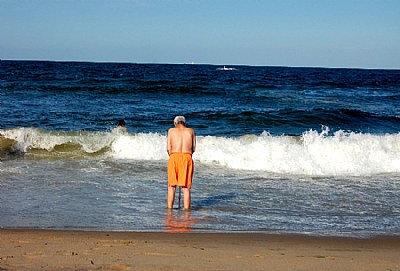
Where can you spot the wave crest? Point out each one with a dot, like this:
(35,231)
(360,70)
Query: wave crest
(314,153)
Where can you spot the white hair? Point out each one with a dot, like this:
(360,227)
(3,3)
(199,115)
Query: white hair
(179,119)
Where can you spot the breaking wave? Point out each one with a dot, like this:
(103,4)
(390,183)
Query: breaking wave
(316,153)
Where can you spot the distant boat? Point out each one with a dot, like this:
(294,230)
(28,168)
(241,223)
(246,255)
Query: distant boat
(226,69)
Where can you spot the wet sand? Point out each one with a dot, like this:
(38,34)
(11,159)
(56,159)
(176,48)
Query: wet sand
(81,250)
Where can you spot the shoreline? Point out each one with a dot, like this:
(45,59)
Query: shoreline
(39,249)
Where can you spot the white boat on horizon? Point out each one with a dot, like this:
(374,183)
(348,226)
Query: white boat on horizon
(226,69)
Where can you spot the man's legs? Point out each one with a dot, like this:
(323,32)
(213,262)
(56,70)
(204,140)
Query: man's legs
(171,196)
(186,198)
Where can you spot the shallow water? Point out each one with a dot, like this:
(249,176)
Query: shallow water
(130,195)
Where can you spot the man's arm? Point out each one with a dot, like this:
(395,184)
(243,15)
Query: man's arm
(169,146)
(193,141)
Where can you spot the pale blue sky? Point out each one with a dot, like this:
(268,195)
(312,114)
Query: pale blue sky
(327,33)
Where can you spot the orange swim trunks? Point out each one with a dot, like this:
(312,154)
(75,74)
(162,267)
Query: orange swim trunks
(180,169)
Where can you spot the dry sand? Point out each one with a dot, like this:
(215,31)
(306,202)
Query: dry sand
(80,250)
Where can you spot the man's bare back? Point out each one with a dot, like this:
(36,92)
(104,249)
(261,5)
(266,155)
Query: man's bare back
(181,139)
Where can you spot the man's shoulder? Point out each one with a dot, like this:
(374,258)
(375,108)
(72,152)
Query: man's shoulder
(190,130)
(179,130)
(174,131)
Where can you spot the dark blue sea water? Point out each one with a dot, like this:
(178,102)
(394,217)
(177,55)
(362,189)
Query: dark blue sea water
(280,149)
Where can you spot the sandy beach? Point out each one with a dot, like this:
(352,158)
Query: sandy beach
(81,250)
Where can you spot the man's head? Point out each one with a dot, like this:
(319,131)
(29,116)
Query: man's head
(121,123)
(180,120)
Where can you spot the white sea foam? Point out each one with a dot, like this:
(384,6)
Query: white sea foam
(313,153)
(33,138)
(140,146)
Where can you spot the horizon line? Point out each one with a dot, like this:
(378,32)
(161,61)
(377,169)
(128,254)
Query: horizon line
(195,63)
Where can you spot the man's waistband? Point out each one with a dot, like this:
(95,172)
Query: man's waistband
(181,153)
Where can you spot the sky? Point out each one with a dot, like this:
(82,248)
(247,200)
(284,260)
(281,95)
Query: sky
(298,33)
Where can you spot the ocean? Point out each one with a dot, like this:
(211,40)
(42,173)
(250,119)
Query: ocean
(280,150)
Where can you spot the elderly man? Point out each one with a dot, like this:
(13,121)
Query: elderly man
(181,143)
